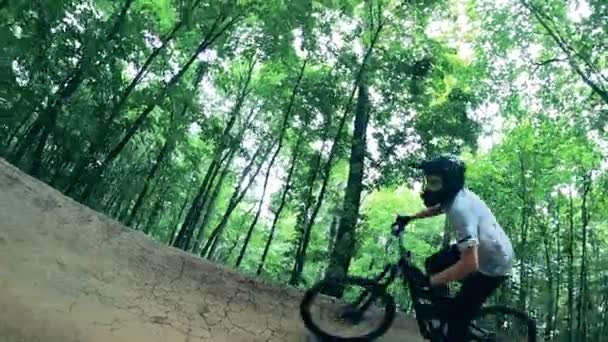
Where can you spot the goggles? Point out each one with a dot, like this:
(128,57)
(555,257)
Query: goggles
(432,183)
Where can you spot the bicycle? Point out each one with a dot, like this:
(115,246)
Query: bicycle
(427,308)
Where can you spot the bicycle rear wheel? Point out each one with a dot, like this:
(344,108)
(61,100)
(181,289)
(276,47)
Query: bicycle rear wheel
(368,316)
(501,324)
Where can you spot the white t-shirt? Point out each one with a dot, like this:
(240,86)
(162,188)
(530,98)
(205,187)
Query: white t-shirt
(475,224)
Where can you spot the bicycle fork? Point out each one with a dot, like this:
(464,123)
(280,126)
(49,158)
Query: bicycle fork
(366,299)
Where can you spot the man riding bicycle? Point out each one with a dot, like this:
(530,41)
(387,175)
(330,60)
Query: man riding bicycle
(483,254)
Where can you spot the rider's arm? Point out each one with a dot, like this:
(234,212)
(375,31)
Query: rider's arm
(468,263)
(428,212)
(465,222)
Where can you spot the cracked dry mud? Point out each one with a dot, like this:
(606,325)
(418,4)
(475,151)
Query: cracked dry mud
(70,274)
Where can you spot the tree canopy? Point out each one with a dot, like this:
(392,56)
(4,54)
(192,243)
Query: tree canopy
(274,136)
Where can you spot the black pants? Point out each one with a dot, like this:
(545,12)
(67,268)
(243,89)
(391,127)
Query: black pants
(476,288)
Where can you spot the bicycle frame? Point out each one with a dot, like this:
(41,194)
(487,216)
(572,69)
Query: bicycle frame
(431,309)
(386,278)
(427,305)
(402,268)
(425,302)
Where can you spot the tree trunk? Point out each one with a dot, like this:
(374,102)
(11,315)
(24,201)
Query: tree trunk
(582,304)
(165,151)
(14,133)
(154,215)
(196,248)
(282,201)
(549,314)
(198,202)
(43,31)
(282,133)
(333,230)
(236,198)
(207,41)
(570,330)
(48,117)
(29,140)
(304,212)
(111,202)
(604,319)
(190,224)
(600,290)
(523,284)
(185,233)
(59,172)
(79,171)
(558,269)
(226,256)
(122,99)
(239,259)
(119,20)
(571,53)
(117,205)
(303,216)
(309,222)
(205,202)
(39,151)
(339,260)
(177,219)
(124,209)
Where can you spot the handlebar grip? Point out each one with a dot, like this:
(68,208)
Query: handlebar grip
(398,229)
(400,222)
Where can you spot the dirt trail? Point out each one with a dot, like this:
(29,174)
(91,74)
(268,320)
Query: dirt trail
(70,274)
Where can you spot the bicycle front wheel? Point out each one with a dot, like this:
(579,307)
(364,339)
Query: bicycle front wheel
(364,313)
(501,324)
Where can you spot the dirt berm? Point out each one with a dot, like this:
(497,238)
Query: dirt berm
(68,273)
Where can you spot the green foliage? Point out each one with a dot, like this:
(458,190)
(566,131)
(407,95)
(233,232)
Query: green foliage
(161,10)
(380,209)
(442,77)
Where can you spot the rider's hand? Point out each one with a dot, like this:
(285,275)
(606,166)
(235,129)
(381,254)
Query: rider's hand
(424,281)
(400,223)
(419,278)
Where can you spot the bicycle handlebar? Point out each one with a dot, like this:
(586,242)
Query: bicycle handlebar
(399,238)
(398,234)
(402,249)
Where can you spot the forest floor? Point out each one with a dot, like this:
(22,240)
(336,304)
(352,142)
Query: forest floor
(68,273)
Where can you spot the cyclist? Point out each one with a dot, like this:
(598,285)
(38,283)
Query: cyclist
(483,255)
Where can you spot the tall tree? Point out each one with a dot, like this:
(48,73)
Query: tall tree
(211,204)
(310,218)
(342,252)
(580,64)
(47,117)
(237,196)
(163,154)
(583,300)
(219,156)
(119,100)
(282,133)
(221,25)
(282,201)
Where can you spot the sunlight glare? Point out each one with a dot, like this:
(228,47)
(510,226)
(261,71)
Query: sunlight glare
(578,10)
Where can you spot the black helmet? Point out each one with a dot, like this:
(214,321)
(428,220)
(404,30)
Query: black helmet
(450,169)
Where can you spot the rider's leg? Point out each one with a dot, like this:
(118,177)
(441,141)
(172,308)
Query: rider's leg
(439,261)
(475,290)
